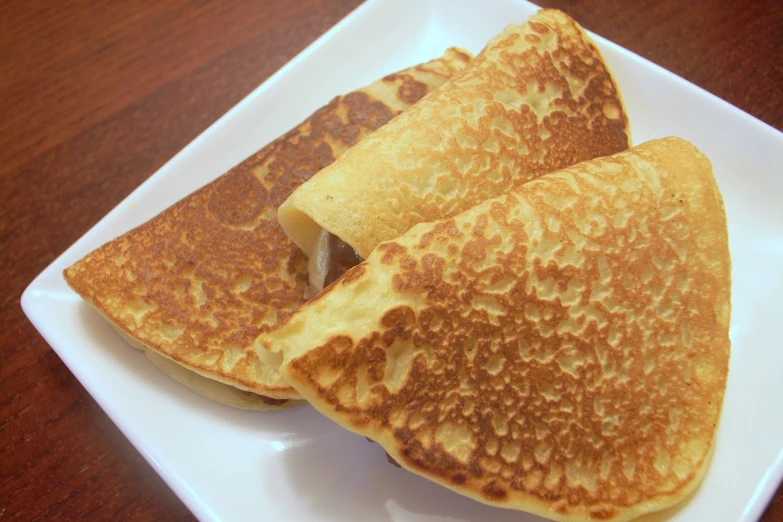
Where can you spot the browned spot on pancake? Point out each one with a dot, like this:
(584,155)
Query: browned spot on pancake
(459,478)
(237,197)
(539,27)
(410,89)
(366,112)
(494,491)
(342,123)
(603,513)
(352,274)
(390,251)
(425,276)
(296,162)
(441,232)
(345,131)
(399,323)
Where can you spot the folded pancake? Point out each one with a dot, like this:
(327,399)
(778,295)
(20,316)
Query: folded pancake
(195,285)
(562,349)
(538,98)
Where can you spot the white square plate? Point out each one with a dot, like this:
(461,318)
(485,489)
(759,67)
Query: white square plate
(227,464)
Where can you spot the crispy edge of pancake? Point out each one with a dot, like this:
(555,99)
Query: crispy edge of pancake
(655,508)
(324,202)
(395,92)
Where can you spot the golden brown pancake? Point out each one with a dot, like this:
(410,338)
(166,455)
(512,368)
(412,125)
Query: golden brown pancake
(538,98)
(562,349)
(200,281)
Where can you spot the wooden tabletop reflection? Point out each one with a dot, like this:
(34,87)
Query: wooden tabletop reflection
(95,97)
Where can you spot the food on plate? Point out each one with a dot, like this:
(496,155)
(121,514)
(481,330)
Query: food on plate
(195,285)
(538,98)
(209,388)
(561,349)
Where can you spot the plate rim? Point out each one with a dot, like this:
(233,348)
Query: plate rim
(29,298)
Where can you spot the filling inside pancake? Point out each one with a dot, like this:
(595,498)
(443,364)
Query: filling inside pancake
(217,391)
(332,258)
(210,388)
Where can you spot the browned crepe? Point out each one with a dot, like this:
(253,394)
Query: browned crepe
(200,281)
(538,98)
(562,349)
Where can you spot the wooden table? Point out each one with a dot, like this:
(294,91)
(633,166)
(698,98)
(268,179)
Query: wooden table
(94,99)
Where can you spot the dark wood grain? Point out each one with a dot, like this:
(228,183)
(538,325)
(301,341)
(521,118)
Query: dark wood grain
(96,96)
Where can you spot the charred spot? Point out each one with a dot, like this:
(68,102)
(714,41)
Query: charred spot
(295,163)
(327,120)
(364,111)
(320,118)
(411,90)
(494,491)
(263,155)
(459,478)
(237,197)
